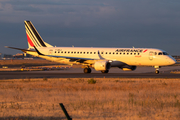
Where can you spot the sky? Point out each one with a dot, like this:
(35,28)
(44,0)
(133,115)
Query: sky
(93,23)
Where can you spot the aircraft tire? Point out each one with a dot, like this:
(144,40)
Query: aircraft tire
(105,71)
(87,70)
(157,71)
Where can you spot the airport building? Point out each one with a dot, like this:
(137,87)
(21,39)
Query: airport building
(7,56)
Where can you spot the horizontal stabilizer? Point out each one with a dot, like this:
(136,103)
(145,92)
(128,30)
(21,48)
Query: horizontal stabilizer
(24,50)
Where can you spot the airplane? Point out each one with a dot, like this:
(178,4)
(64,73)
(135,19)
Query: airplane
(101,59)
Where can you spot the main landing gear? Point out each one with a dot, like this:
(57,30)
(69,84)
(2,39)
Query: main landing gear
(105,71)
(157,69)
(87,70)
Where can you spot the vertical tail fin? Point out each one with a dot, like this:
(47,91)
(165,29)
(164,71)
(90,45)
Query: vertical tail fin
(33,37)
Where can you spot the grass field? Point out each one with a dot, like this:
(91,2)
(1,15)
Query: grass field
(90,98)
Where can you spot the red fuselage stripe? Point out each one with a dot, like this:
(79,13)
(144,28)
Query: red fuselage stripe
(144,51)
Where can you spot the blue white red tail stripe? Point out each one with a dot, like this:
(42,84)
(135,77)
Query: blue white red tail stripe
(33,37)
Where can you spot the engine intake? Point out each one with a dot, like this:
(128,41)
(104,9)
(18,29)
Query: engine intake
(102,65)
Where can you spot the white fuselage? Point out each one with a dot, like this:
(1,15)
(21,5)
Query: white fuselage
(117,56)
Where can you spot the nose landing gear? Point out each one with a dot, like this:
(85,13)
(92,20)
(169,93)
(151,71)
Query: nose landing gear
(157,69)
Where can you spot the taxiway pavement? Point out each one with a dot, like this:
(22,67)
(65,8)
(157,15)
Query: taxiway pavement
(141,72)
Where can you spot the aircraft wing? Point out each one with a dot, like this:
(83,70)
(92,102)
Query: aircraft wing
(66,57)
(73,58)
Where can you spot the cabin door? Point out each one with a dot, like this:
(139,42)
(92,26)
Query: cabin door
(151,55)
(102,53)
(50,52)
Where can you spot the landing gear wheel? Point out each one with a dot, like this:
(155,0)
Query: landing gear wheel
(87,70)
(105,71)
(157,71)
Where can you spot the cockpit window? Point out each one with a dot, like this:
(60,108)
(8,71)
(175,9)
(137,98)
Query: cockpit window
(163,53)
(160,53)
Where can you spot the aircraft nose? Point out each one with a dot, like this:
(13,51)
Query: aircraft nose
(172,61)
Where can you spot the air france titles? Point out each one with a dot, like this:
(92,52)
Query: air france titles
(129,50)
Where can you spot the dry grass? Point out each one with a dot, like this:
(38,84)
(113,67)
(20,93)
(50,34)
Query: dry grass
(109,98)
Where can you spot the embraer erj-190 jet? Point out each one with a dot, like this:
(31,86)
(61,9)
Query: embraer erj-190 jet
(101,59)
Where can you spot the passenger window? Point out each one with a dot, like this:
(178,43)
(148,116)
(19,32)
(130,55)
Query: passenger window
(106,52)
(94,52)
(65,52)
(84,52)
(77,52)
(87,52)
(131,53)
(120,53)
(134,53)
(68,52)
(74,52)
(109,52)
(155,53)
(116,53)
(124,53)
(101,52)
(61,51)
(90,52)
(127,53)
(55,51)
(113,52)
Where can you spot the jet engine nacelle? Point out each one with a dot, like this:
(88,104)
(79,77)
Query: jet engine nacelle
(128,68)
(102,65)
